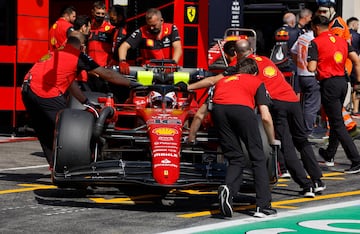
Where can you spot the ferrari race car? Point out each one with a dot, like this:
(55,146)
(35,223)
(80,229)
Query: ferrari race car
(144,140)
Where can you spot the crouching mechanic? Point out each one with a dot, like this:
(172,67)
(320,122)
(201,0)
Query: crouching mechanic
(46,85)
(235,97)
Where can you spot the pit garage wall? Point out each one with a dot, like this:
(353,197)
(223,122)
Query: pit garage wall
(25,42)
(351,8)
(223,15)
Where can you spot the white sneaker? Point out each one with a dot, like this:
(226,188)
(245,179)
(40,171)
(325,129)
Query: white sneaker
(285,175)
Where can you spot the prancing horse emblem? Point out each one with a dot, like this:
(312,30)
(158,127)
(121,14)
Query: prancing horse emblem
(191,12)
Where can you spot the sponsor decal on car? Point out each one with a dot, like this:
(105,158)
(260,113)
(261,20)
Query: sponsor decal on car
(174,121)
(165,155)
(165,165)
(164,138)
(165,131)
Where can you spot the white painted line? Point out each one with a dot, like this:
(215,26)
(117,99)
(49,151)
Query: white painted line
(23,168)
(237,222)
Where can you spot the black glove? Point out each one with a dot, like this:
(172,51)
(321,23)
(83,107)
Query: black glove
(134,84)
(182,86)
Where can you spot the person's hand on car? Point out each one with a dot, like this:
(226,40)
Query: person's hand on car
(124,67)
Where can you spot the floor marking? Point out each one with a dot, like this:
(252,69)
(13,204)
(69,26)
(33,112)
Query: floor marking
(17,139)
(23,168)
(277,204)
(29,187)
(236,222)
(125,200)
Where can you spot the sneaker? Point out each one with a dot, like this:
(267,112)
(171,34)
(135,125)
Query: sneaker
(355,168)
(329,161)
(308,192)
(355,115)
(264,212)
(285,175)
(319,186)
(225,201)
(316,138)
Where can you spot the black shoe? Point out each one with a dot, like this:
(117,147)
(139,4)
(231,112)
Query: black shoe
(264,212)
(329,161)
(225,201)
(355,168)
(308,192)
(319,186)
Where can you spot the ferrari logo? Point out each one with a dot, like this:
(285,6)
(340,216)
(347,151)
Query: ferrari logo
(269,72)
(332,39)
(107,28)
(191,13)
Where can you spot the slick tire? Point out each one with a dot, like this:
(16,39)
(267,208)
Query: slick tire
(73,140)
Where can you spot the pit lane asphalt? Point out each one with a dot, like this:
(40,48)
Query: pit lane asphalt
(31,204)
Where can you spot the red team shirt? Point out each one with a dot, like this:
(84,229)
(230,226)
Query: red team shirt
(329,63)
(58,33)
(275,83)
(154,46)
(48,82)
(231,90)
(100,43)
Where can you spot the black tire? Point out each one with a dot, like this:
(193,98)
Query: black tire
(73,139)
(92,96)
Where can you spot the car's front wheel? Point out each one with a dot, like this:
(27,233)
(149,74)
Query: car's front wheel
(73,139)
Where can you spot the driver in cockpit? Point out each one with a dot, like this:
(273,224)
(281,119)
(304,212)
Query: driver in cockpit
(156,100)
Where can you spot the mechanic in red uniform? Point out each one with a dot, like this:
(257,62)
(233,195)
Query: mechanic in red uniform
(235,98)
(117,19)
(157,40)
(337,26)
(117,16)
(289,123)
(230,56)
(44,91)
(60,30)
(101,35)
(327,55)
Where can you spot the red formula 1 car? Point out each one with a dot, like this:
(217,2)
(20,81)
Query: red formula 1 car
(143,141)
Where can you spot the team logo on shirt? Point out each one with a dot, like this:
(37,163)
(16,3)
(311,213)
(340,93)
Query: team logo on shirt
(53,41)
(269,72)
(45,57)
(258,58)
(332,39)
(149,43)
(107,28)
(338,57)
(231,78)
